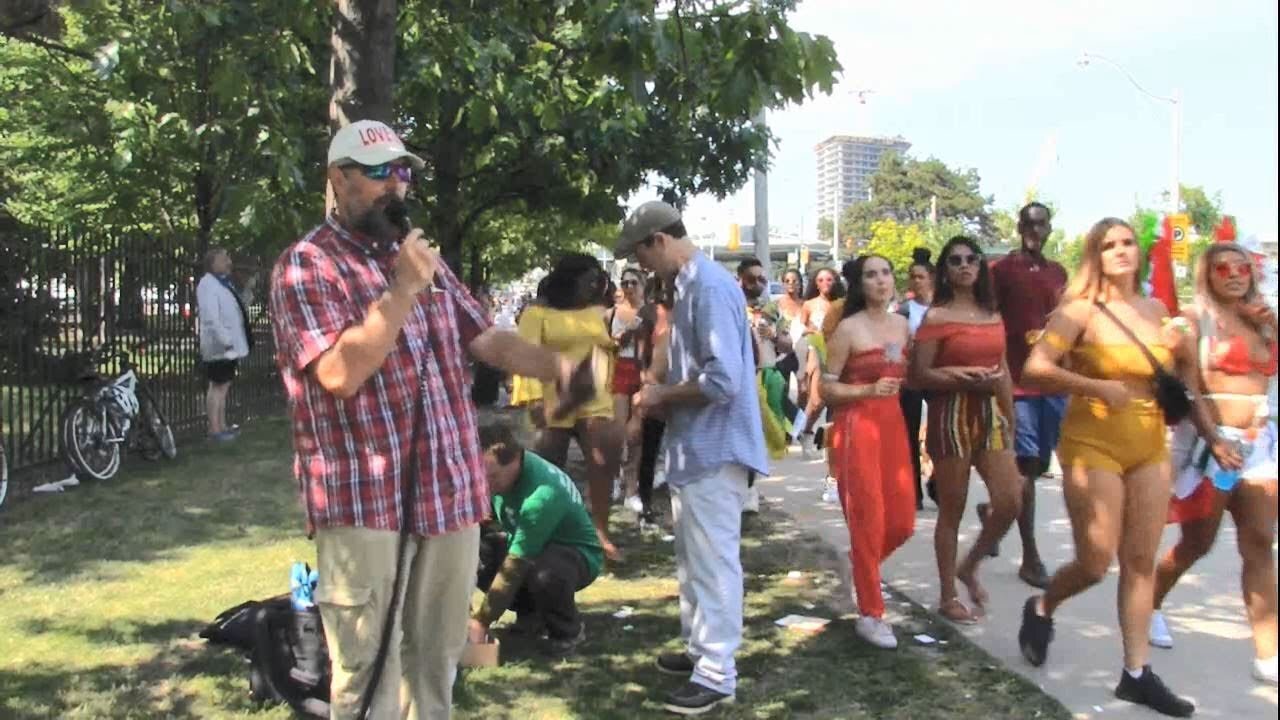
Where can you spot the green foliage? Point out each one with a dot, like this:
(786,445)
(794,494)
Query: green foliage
(1066,252)
(515,243)
(565,107)
(532,117)
(903,189)
(896,243)
(1205,211)
(210,124)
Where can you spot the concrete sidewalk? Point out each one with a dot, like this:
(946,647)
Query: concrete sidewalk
(1211,660)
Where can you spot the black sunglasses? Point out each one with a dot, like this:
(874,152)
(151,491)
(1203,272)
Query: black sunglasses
(956,261)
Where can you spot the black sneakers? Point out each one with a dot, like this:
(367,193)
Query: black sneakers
(1035,634)
(695,699)
(1148,689)
(675,663)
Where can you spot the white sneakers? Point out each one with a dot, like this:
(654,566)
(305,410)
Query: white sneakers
(830,491)
(1158,634)
(752,504)
(1265,670)
(877,632)
(809,447)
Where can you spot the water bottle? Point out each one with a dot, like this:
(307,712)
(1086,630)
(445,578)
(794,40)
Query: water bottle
(307,630)
(1226,480)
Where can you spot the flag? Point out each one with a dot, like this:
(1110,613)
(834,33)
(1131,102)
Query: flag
(1160,261)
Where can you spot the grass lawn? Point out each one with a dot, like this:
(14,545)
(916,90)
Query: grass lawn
(103,589)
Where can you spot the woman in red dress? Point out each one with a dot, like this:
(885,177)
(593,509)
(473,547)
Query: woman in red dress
(868,436)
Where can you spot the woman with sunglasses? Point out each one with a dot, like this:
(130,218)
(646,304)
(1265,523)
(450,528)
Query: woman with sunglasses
(824,289)
(790,306)
(1117,476)
(572,323)
(868,437)
(1235,332)
(920,277)
(628,328)
(959,358)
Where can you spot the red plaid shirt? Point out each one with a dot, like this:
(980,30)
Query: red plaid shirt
(349,454)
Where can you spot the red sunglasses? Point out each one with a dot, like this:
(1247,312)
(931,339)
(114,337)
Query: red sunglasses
(1228,270)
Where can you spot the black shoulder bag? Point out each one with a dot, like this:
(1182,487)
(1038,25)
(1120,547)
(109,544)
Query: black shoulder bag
(1171,393)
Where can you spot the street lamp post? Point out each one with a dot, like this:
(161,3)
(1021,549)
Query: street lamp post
(861,94)
(1175,194)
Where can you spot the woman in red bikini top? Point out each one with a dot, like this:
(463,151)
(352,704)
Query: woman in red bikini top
(1236,333)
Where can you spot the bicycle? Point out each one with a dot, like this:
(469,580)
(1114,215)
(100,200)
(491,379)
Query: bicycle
(113,413)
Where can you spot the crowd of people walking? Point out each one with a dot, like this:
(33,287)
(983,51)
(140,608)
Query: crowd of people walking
(686,375)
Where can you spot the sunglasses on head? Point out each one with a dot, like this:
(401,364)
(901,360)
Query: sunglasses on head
(403,173)
(956,261)
(1227,270)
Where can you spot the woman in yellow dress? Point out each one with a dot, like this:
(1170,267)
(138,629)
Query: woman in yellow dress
(572,322)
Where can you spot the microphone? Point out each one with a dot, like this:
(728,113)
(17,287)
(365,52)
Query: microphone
(397,213)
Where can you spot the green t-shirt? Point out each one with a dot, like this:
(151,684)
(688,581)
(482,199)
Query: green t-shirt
(545,507)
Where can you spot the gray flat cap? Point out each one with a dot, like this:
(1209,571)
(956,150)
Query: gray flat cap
(647,219)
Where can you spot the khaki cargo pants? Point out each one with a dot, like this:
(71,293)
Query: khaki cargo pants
(357,571)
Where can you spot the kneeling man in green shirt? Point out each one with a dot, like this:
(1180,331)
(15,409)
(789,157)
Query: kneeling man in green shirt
(546,550)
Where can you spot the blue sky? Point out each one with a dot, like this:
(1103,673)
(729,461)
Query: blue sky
(994,85)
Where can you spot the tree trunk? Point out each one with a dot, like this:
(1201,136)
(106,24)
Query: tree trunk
(476,272)
(446,212)
(362,69)
(364,57)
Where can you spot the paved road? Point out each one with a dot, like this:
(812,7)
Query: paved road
(1212,654)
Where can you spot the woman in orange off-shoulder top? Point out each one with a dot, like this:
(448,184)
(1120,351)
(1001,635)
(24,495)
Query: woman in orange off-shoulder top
(959,359)
(868,438)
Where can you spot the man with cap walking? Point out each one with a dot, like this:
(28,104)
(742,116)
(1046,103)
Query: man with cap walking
(714,440)
(372,334)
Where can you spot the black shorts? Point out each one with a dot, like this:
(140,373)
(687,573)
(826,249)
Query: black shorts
(220,371)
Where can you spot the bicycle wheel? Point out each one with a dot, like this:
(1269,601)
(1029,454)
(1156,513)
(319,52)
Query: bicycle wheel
(86,442)
(156,440)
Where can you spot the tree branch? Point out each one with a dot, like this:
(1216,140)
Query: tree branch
(48,45)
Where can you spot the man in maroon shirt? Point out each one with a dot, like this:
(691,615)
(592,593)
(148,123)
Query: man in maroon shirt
(1028,288)
(372,336)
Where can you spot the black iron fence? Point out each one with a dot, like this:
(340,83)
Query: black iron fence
(65,293)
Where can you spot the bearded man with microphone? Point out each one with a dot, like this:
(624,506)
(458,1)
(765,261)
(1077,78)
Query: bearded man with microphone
(373,333)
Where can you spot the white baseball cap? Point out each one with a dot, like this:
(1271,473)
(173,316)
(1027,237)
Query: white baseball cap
(369,142)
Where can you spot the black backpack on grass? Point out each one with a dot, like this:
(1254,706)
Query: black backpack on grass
(285,648)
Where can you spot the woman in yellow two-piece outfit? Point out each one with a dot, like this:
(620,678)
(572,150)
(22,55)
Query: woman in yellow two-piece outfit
(572,322)
(1117,474)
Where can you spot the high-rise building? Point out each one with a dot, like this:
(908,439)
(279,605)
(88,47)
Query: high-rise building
(845,166)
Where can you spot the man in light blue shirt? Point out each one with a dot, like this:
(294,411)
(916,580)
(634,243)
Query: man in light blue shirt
(713,440)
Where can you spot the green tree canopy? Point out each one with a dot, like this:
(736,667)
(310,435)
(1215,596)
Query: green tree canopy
(566,107)
(201,118)
(212,118)
(903,189)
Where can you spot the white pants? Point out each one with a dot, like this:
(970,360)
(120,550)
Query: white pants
(708,529)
